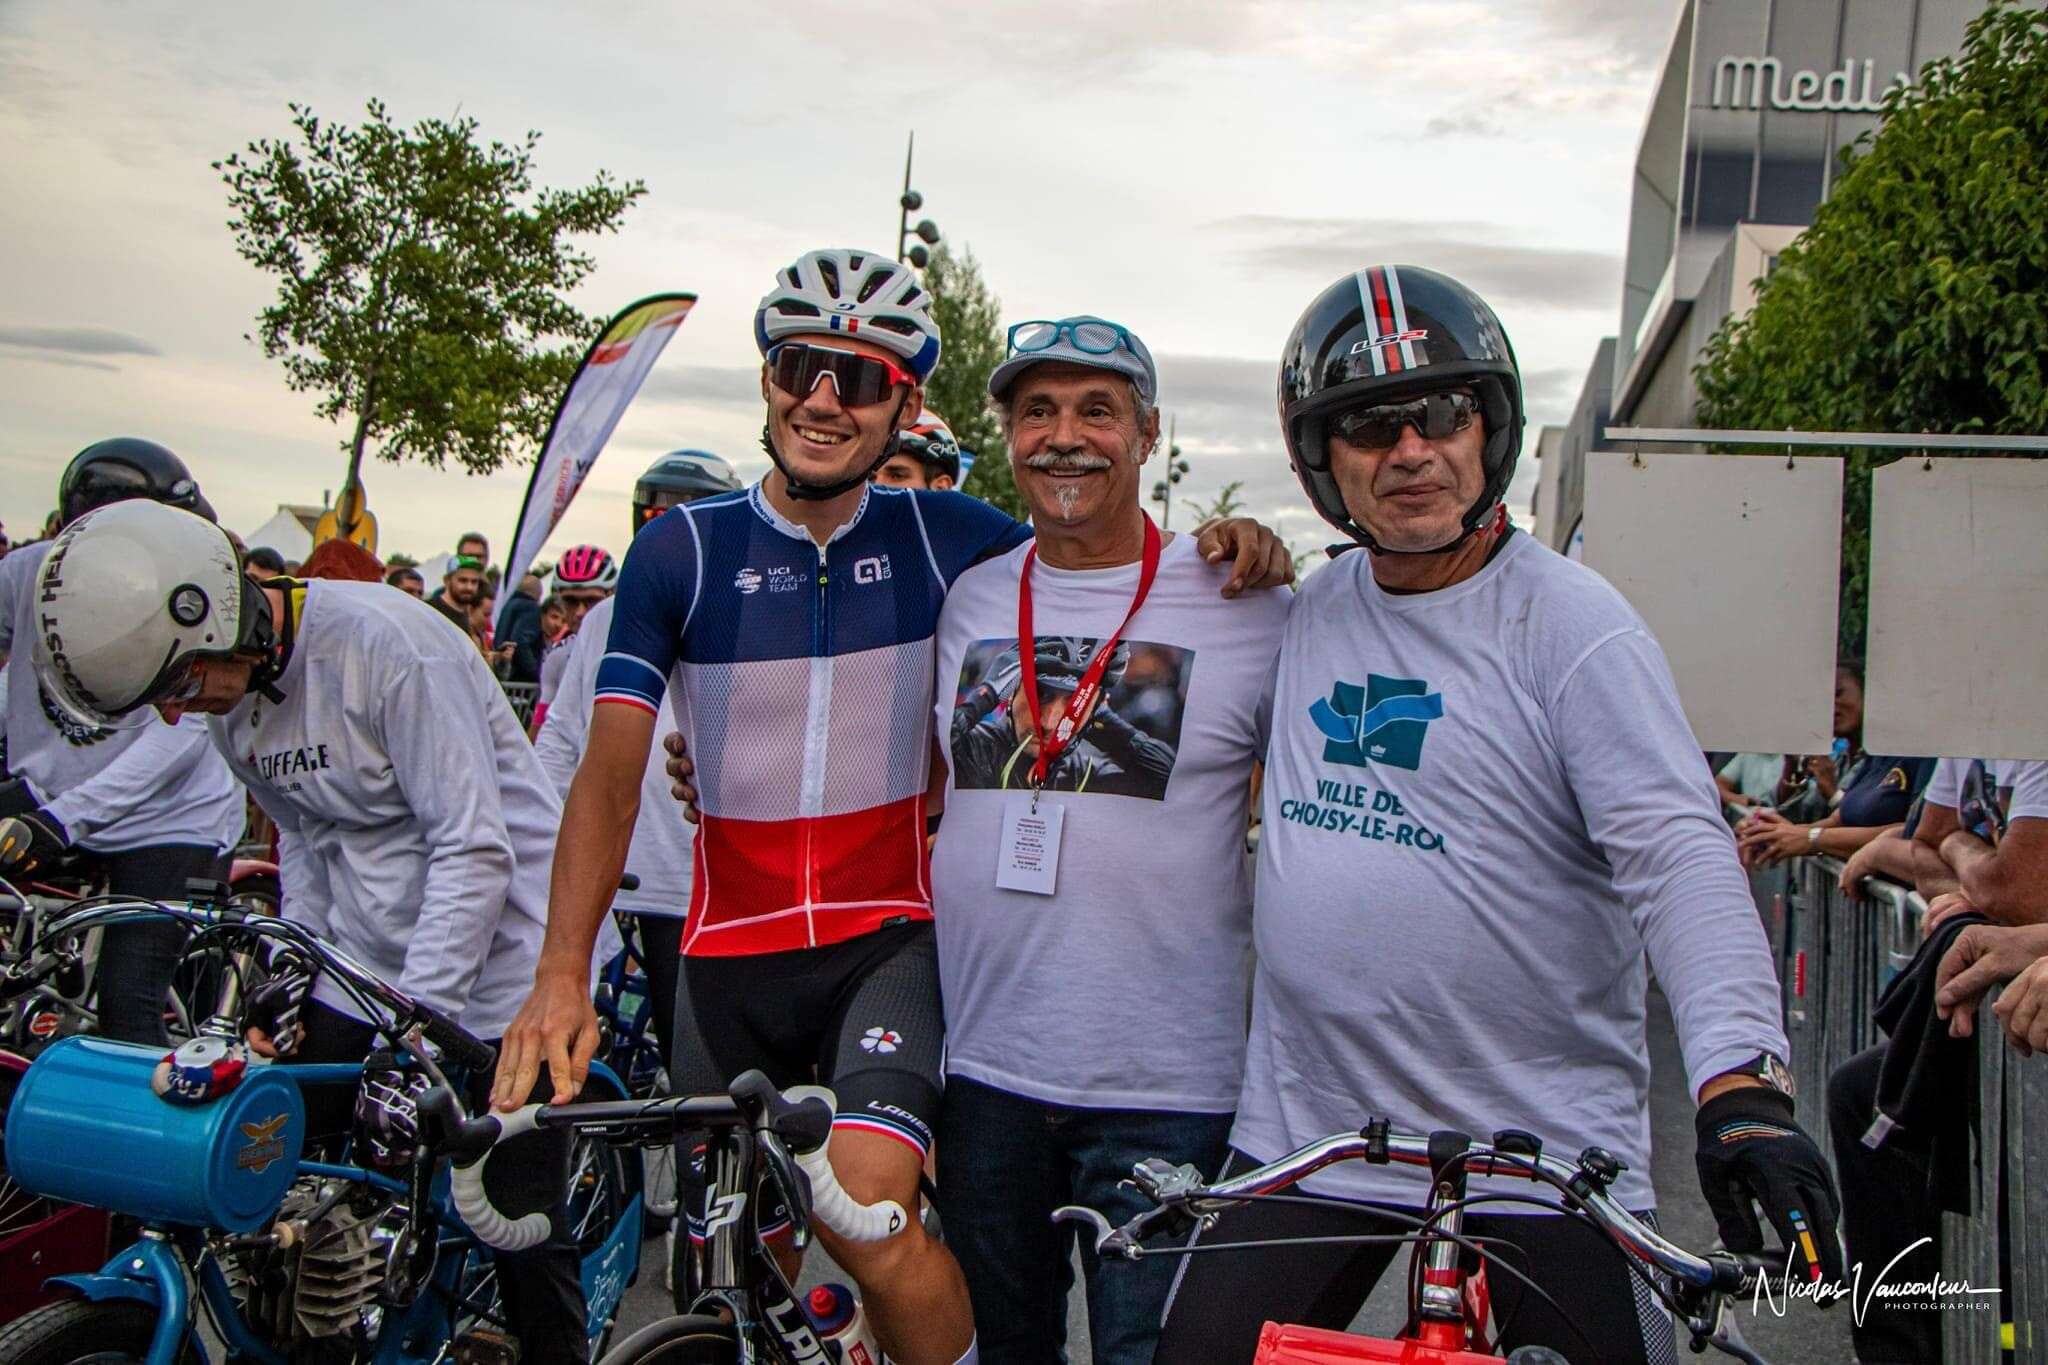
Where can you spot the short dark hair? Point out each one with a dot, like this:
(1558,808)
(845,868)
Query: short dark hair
(404,571)
(267,559)
(479,537)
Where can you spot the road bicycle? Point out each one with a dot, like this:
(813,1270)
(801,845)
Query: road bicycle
(291,1255)
(1449,1305)
(763,1144)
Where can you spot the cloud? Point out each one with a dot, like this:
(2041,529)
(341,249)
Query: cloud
(31,358)
(1558,277)
(718,385)
(76,341)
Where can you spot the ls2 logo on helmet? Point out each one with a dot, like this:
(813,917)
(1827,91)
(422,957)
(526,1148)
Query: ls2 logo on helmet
(1383,722)
(1392,339)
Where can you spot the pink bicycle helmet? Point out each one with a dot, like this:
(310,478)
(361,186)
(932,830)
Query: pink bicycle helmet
(585,566)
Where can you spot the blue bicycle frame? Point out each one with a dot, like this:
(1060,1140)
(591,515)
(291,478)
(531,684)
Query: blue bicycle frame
(154,1269)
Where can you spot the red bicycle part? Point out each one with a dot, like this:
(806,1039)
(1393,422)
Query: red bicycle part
(1287,1345)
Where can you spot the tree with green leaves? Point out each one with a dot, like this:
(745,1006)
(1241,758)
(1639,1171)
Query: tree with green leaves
(1918,299)
(422,281)
(970,318)
(1226,503)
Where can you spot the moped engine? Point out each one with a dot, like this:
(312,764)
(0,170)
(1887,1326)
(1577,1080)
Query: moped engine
(311,1284)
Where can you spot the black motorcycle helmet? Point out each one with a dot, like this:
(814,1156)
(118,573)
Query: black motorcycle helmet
(1384,335)
(680,476)
(122,468)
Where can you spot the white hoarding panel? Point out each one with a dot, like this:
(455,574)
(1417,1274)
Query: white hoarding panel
(1733,560)
(1958,609)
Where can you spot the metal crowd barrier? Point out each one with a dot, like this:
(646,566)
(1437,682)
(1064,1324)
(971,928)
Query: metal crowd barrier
(523,696)
(1836,953)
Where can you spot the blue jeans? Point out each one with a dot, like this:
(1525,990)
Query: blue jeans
(1005,1163)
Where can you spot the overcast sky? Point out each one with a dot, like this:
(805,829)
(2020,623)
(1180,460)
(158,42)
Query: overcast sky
(1198,171)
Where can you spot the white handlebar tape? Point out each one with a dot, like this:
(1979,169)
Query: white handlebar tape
(466,1186)
(835,1208)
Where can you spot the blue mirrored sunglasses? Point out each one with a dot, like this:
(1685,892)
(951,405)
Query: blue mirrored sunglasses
(1092,336)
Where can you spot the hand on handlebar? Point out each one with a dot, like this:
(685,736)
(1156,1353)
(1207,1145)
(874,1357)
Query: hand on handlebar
(1750,1149)
(557,1026)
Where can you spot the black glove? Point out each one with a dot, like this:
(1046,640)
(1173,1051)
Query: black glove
(1749,1148)
(16,798)
(30,839)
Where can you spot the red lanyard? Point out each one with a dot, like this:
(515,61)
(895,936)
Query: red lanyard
(1051,746)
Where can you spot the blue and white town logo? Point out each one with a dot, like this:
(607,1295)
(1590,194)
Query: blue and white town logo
(1383,722)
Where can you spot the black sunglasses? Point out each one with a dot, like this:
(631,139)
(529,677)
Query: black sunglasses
(858,379)
(1434,416)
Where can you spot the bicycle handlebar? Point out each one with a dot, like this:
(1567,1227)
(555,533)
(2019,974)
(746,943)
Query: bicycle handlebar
(798,1121)
(455,1042)
(1181,1189)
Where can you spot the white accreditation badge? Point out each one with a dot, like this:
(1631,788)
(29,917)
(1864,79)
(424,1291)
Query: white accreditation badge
(1028,849)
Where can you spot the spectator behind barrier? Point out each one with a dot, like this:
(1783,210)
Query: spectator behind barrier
(519,629)
(407,580)
(1896,1132)
(2000,861)
(1910,852)
(1755,779)
(460,587)
(554,621)
(343,560)
(1869,793)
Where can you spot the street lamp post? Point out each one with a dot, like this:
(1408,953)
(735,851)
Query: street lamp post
(926,231)
(1176,467)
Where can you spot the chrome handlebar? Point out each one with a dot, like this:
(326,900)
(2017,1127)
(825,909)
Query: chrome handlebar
(1181,1190)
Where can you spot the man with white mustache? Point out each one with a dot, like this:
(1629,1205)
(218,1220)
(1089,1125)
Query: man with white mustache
(1106,704)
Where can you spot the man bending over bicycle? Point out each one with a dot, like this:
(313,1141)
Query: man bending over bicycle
(1483,810)
(415,825)
(801,612)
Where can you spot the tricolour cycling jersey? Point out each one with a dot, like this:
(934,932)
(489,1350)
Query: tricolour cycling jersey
(807,692)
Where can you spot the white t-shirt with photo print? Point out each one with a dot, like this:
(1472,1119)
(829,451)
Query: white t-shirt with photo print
(1126,987)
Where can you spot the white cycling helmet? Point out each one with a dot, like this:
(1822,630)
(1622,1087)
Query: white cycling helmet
(852,293)
(129,595)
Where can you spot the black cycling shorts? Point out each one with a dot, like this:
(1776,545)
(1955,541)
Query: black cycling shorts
(861,1016)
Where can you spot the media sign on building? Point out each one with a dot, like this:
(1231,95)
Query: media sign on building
(1742,141)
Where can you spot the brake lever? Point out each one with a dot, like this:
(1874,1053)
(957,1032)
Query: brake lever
(1078,1213)
(1115,1241)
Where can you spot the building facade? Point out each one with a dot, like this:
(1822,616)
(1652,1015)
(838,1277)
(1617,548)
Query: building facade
(1743,139)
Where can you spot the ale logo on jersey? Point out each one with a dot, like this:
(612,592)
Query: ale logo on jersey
(1383,722)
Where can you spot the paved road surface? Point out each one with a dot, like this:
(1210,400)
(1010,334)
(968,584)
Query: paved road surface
(1803,1336)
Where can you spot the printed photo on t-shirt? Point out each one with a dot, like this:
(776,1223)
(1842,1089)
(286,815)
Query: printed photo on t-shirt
(1127,743)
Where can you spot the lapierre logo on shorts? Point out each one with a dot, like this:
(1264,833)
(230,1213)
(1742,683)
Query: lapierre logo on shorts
(873,569)
(881,1040)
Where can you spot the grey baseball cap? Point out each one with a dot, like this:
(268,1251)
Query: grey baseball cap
(1080,340)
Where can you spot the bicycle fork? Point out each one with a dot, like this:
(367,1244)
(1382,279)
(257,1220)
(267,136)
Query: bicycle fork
(735,1274)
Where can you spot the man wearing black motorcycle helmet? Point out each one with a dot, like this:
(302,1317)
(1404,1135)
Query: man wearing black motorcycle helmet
(145,808)
(1541,817)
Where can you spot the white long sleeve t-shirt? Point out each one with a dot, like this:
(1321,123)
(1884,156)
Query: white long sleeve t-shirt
(1483,811)
(664,843)
(416,828)
(137,786)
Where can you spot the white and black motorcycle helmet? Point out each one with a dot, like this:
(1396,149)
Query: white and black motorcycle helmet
(128,597)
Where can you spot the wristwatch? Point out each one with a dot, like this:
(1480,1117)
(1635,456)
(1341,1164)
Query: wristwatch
(1813,836)
(1770,1069)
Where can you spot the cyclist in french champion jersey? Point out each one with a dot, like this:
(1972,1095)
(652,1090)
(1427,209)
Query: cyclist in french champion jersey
(1485,820)
(800,613)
